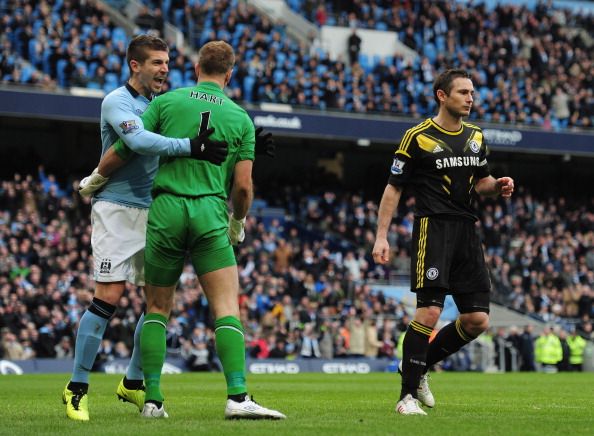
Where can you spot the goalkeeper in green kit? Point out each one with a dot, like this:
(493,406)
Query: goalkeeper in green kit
(189,215)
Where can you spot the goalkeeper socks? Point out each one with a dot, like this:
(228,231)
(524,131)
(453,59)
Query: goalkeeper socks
(88,338)
(153,351)
(231,350)
(450,339)
(134,371)
(414,359)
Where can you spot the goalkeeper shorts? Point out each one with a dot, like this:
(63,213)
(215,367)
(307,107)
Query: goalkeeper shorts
(179,225)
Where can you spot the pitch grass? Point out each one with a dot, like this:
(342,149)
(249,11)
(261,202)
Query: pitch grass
(315,404)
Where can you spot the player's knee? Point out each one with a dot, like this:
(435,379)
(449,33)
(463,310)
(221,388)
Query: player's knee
(475,323)
(428,316)
(110,292)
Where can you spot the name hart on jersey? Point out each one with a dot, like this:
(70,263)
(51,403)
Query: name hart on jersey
(207,97)
(457,161)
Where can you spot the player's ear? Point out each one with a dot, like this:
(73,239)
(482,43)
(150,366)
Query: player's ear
(228,76)
(441,95)
(134,66)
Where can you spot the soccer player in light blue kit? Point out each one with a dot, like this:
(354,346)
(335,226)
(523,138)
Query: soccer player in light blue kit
(120,211)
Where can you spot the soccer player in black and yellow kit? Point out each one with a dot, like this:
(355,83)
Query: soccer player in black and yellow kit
(442,161)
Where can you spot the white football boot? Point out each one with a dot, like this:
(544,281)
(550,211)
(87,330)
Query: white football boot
(249,409)
(409,406)
(151,411)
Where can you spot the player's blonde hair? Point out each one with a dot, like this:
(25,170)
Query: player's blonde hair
(216,58)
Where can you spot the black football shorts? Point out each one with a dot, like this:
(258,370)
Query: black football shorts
(447,254)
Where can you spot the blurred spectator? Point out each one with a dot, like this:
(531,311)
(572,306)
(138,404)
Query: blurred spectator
(310,347)
(577,346)
(353,46)
(548,351)
(527,349)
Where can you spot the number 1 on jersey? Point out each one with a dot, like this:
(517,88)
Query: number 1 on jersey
(204,119)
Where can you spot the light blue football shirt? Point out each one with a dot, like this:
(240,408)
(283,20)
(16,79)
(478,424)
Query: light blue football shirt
(131,184)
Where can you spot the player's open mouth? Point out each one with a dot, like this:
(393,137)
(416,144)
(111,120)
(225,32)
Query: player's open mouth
(159,81)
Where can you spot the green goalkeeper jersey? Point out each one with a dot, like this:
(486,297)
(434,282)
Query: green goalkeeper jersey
(185,112)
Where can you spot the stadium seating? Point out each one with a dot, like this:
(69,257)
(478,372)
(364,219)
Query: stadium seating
(505,60)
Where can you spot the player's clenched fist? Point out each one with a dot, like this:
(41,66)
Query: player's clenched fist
(381,251)
(505,185)
(204,148)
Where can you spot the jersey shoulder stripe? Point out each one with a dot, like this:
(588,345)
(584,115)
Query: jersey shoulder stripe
(409,135)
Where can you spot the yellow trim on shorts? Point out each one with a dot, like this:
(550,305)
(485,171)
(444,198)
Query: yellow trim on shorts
(422,251)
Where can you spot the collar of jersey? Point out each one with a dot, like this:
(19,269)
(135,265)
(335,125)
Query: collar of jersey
(134,93)
(447,132)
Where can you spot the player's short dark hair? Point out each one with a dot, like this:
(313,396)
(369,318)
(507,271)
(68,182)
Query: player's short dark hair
(140,45)
(444,81)
(216,58)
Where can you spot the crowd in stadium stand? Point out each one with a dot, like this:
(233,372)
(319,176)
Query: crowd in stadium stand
(529,67)
(70,44)
(306,282)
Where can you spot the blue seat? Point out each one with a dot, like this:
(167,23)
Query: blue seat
(190,76)
(278,76)
(60,65)
(108,87)
(118,35)
(112,78)
(248,87)
(176,78)
(430,51)
(364,61)
(26,73)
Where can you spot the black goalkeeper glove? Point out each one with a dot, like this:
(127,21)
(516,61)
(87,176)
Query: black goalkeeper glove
(203,148)
(264,143)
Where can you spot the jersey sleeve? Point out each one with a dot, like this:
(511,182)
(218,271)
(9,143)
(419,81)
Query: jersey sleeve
(483,168)
(137,133)
(403,163)
(248,141)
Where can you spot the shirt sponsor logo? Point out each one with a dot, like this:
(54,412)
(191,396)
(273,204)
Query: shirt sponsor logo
(397,167)
(128,126)
(458,161)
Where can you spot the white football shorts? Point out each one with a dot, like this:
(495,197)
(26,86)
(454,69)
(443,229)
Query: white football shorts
(118,238)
